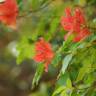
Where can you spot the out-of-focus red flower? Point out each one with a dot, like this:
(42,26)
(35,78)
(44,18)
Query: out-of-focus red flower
(9,12)
(82,35)
(44,53)
(75,24)
(68,20)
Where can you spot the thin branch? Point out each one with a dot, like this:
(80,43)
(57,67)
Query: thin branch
(36,10)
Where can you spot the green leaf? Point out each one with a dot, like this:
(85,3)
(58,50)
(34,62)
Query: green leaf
(58,90)
(66,62)
(54,25)
(93,38)
(62,80)
(84,70)
(69,83)
(37,3)
(81,74)
(64,90)
(20,4)
(38,74)
(56,60)
(34,3)
(25,50)
(61,49)
(82,2)
(53,28)
(69,87)
(64,93)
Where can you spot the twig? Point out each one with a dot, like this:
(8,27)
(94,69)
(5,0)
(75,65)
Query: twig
(36,10)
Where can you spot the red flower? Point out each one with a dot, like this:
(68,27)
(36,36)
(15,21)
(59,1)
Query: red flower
(9,12)
(44,53)
(75,24)
(82,35)
(68,20)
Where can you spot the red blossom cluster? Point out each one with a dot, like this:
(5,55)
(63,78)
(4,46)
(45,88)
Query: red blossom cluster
(8,12)
(44,53)
(75,24)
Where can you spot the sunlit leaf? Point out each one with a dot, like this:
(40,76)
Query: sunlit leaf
(38,74)
(59,90)
(66,62)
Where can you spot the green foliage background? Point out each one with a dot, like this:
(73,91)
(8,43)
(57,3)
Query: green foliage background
(73,69)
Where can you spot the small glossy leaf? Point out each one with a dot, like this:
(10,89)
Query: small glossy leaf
(38,74)
(25,50)
(66,62)
(53,28)
(64,93)
(69,83)
(59,90)
(56,60)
